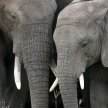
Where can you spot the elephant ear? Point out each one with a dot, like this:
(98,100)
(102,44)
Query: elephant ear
(104,52)
(99,13)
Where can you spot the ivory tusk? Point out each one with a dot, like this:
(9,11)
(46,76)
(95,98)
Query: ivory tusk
(81,80)
(80,101)
(17,73)
(53,67)
(54,85)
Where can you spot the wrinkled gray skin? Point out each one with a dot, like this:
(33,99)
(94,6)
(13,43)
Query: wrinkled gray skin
(60,5)
(81,40)
(9,94)
(28,23)
(12,24)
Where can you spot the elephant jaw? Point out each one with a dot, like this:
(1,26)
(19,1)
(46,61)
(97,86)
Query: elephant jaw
(17,73)
(53,68)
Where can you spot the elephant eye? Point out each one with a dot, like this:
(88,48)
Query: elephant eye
(13,16)
(84,44)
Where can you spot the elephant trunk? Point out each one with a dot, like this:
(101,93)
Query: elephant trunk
(36,59)
(68,86)
(38,77)
(68,72)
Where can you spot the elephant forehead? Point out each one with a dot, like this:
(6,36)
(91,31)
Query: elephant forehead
(29,9)
(12,7)
(73,10)
(69,33)
(82,13)
(89,7)
(79,18)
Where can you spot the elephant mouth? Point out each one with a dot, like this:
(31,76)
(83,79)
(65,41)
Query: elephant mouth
(81,80)
(54,70)
(17,75)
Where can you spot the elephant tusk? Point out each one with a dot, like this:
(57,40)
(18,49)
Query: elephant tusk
(53,67)
(54,85)
(17,73)
(81,80)
(80,101)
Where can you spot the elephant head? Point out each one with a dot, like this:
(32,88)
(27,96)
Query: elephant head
(81,39)
(28,23)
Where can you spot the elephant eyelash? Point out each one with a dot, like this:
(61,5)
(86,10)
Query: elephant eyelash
(84,44)
(13,16)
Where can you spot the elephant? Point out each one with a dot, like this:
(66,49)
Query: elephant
(28,24)
(81,39)
(10,96)
(61,4)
